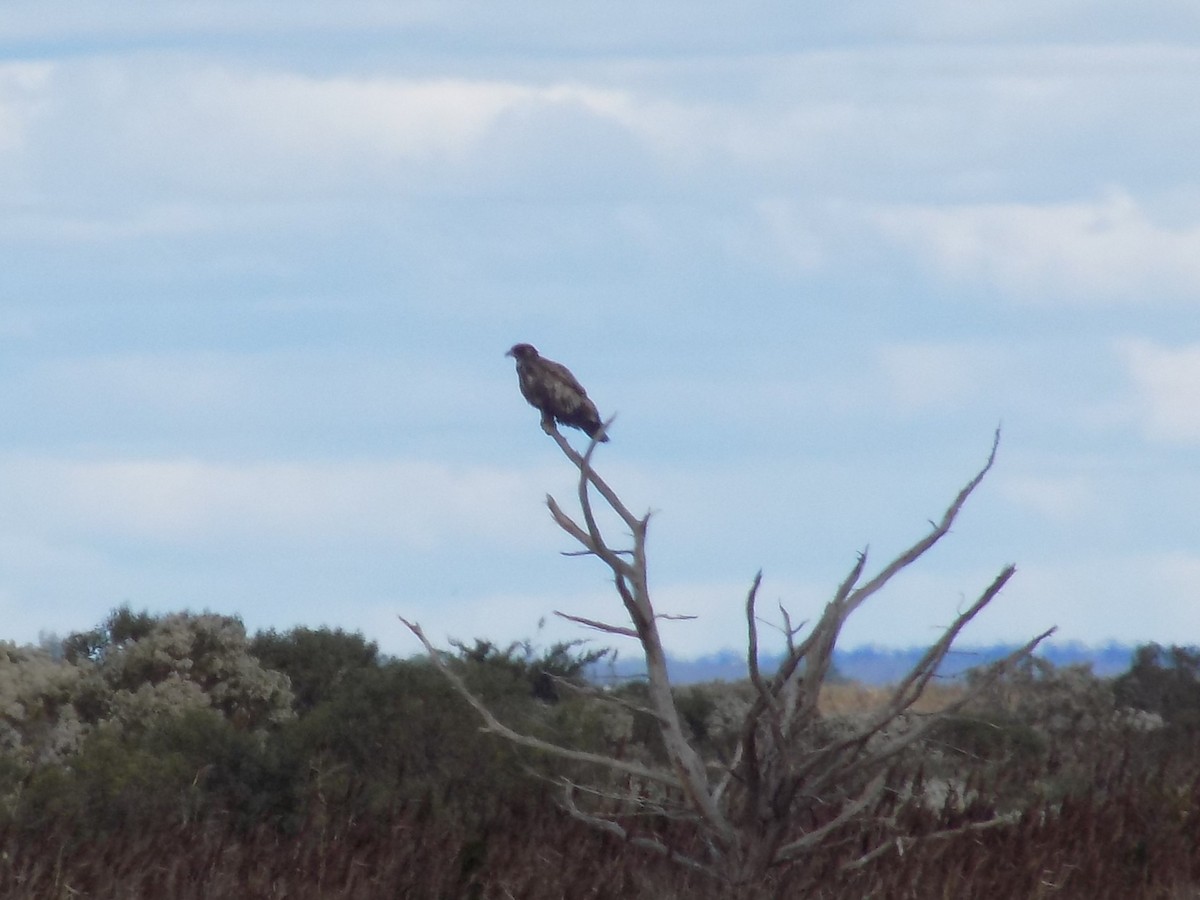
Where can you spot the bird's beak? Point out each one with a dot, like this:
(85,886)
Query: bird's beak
(508,353)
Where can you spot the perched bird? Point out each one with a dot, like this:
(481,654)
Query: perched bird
(552,389)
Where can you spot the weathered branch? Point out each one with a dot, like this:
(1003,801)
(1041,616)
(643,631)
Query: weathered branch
(752,644)
(624,836)
(917,550)
(848,813)
(928,720)
(583,464)
(631,583)
(494,725)
(605,696)
(599,626)
(900,843)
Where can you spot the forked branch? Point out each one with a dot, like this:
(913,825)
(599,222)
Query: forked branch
(495,726)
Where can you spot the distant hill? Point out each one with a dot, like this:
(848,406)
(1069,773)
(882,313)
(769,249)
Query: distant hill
(882,665)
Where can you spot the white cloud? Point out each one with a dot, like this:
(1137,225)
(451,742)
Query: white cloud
(22,90)
(407,504)
(1103,252)
(23,102)
(333,117)
(176,126)
(783,135)
(1166,385)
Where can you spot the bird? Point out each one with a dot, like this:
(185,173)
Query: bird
(551,389)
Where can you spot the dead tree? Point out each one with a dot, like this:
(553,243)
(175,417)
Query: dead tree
(797,780)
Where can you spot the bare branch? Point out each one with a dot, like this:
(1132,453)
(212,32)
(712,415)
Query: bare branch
(599,626)
(606,696)
(991,675)
(631,583)
(567,524)
(624,836)
(630,803)
(803,703)
(901,843)
(584,463)
(831,763)
(752,639)
(590,553)
(494,725)
(913,685)
(768,703)
(914,732)
(788,631)
(851,810)
(939,530)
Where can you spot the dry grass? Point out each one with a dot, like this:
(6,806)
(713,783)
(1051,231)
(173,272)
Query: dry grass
(851,697)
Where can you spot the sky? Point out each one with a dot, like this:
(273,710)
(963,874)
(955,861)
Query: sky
(260,262)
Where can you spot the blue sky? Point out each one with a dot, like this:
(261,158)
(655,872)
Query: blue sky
(259,264)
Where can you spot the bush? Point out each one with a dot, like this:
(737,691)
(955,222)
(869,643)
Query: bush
(316,662)
(1165,681)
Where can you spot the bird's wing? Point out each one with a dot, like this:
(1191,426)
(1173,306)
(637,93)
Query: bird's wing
(562,381)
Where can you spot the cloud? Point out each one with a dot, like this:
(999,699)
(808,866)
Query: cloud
(183,127)
(1166,389)
(322,118)
(185,141)
(590,28)
(23,102)
(404,504)
(22,87)
(1105,252)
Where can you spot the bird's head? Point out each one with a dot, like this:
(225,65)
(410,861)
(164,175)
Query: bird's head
(522,351)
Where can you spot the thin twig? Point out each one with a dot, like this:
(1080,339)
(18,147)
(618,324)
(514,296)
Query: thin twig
(494,725)
(625,837)
(599,626)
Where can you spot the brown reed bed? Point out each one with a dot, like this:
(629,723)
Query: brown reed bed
(1124,824)
(1128,839)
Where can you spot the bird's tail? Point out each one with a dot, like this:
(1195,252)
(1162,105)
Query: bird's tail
(597,432)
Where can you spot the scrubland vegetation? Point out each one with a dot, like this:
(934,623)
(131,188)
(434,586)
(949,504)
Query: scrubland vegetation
(174,756)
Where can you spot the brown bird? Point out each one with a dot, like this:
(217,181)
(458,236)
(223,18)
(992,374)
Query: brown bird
(552,389)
